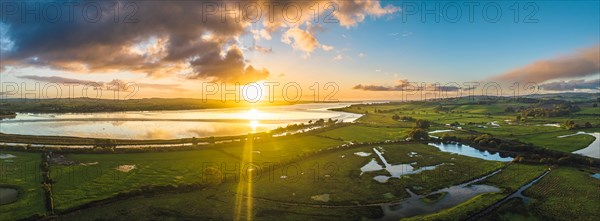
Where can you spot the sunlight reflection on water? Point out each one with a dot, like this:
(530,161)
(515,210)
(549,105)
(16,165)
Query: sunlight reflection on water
(171,124)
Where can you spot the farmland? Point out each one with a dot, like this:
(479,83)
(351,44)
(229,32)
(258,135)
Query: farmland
(320,174)
(21,171)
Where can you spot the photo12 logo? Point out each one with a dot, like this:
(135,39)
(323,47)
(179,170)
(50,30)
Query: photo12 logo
(470,11)
(69,11)
(270,91)
(290,12)
(33,91)
(253,92)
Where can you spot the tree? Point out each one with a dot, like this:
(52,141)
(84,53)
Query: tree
(418,134)
(423,124)
(509,109)
(105,143)
(395,117)
(588,125)
(564,160)
(407,118)
(492,144)
(519,159)
(570,124)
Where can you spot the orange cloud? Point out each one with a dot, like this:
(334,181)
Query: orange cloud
(581,63)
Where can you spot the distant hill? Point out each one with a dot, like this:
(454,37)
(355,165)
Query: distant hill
(86,105)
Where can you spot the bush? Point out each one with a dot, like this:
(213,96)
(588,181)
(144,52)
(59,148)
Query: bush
(418,134)
(423,124)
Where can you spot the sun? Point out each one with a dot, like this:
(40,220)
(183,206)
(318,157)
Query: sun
(254,124)
(253,114)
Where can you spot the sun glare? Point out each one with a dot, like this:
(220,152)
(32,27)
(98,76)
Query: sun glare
(253,114)
(254,124)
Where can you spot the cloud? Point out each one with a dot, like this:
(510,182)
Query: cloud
(56,79)
(572,85)
(228,68)
(327,47)
(164,39)
(346,13)
(338,57)
(115,84)
(300,39)
(405,85)
(581,63)
(373,88)
(162,42)
(352,12)
(262,49)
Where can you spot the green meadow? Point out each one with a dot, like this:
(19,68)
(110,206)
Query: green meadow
(21,172)
(317,175)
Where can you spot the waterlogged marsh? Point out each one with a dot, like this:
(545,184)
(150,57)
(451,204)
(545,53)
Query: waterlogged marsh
(20,192)
(395,171)
(328,179)
(331,178)
(451,196)
(342,175)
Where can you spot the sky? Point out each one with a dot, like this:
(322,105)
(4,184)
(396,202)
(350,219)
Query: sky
(353,50)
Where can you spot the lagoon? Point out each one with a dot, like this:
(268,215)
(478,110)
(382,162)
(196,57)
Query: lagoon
(8,195)
(172,124)
(467,150)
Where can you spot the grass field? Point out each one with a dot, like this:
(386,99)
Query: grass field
(565,194)
(22,172)
(301,173)
(513,210)
(211,204)
(516,175)
(323,174)
(478,117)
(338,174)
(358,133)
(550,140)
(511,178)
(282,149)
(95,176)
(100,179)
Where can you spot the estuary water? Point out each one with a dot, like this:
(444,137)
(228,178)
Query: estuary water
(172,124)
